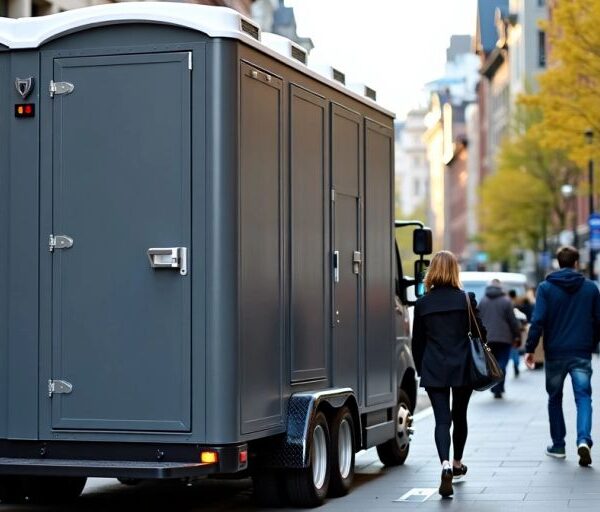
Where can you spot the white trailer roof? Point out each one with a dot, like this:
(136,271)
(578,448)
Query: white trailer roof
(27,33)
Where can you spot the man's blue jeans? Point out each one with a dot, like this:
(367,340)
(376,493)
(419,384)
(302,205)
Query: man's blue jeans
(580,370)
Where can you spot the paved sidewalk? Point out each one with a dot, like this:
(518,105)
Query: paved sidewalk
(508,469)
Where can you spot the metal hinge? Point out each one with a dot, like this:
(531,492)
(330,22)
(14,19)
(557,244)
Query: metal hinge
(59,387)
(59,242)
(60,88)
(190,61)
(333,194)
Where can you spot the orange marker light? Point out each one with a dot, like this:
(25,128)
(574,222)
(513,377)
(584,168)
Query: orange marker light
(209,457)
(20,110)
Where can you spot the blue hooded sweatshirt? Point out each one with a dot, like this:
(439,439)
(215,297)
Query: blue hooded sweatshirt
(567,313)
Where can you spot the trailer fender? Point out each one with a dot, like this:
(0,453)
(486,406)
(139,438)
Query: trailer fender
(292,449)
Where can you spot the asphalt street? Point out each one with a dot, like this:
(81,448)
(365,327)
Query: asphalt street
(508,469)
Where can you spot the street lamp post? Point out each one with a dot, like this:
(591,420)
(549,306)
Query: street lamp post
(589,136)
(568,192)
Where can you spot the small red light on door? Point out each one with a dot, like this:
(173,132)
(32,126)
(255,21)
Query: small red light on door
(244,457)
(25,110)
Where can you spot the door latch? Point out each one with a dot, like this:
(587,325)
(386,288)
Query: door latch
(356,262)
(59,387)
(169,257)
(59,242)
(336,266)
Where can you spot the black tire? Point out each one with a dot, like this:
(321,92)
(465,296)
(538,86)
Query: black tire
(11,490)
(53,489)
(395,451)
(341,460)
(269,489)
(308,487)
(130,481)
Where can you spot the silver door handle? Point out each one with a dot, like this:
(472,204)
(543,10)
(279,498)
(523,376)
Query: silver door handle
(169,257)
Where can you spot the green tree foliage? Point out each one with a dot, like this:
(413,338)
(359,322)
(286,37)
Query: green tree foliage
(522,201)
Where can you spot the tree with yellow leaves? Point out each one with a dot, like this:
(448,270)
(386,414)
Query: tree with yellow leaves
(568,95)
(521,203)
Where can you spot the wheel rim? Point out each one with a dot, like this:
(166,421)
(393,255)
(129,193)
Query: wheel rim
(319,457)
(345,448)
(403,426)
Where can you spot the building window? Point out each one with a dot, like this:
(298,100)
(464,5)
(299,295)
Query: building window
(417,187)
(541,48)
(541,3)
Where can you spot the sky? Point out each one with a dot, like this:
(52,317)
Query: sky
(393,46)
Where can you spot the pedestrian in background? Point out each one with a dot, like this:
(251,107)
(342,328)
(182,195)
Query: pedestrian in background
(503,329)
(515,351)
(442,356)
(567,313)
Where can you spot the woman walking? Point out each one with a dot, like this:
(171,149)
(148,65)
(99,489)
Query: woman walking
(442,357)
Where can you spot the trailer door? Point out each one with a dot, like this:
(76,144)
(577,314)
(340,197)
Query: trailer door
(121,346)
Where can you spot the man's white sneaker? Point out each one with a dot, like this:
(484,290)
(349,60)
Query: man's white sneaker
(585,457)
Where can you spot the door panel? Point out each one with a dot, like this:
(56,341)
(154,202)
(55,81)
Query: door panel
(121,178)
(346,157)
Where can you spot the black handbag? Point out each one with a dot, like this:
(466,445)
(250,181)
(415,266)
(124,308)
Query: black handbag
(485,370)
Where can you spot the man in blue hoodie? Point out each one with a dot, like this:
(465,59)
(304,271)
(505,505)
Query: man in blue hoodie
(567,312)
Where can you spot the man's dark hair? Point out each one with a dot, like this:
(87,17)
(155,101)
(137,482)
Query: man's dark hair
(567,256)
(512,294)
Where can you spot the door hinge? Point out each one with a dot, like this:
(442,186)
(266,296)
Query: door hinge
(333,194)
(60,88)
(59,387)
(190,61)
(59,242)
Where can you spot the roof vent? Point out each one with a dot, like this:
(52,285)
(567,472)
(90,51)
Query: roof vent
(338,76)
(371,93)
(250,29)
(299,54)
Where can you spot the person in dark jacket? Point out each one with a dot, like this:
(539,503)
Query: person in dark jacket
(442,356)
(503,328)
(567,312)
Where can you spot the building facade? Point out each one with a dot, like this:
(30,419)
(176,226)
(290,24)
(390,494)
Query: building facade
(412,170)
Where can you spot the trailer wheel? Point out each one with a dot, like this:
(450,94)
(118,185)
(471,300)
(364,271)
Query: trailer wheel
(395,451)
(307,487)
(342,453)
(269,489)
(11,489)
(53,489)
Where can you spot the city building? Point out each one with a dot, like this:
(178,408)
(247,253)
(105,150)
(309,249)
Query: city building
(445,138)
(526,45)
(486,37)
(274,16)
(412,169)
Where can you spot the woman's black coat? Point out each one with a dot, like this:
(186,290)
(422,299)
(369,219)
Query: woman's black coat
(440,341)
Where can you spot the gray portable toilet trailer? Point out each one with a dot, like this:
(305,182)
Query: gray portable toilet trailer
(197,247)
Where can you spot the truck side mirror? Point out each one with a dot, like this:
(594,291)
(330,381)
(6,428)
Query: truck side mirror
(422,241)
(420,270)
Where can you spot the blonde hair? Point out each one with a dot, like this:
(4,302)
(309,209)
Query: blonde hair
(443,271)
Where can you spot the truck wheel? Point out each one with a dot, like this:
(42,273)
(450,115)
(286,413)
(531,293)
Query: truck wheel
(342,453)
(11,489)
(269,489)
(53,489)
(395,451)
(307,487)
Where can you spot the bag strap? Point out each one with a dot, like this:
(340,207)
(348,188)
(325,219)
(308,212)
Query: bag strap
(471,314)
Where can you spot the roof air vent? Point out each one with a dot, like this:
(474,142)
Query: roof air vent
(338,76)
(250,29)
(299,54)
(371,93)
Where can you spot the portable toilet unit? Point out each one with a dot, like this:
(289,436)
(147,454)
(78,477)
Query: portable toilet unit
(197,247)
